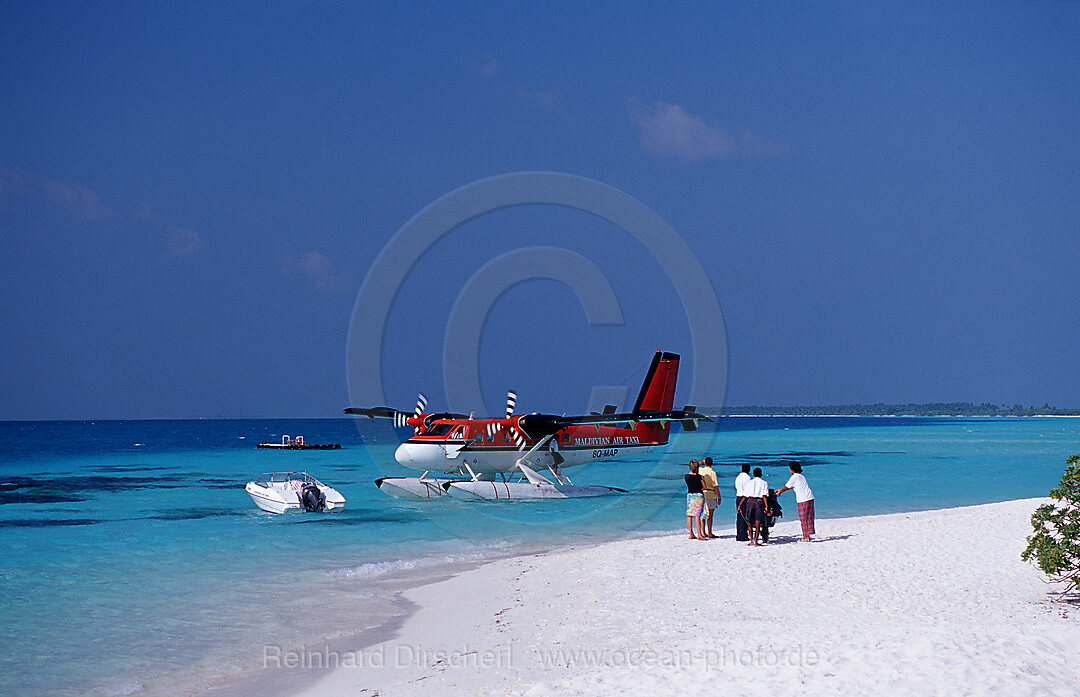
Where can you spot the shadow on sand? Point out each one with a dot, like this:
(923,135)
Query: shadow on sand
(789,539)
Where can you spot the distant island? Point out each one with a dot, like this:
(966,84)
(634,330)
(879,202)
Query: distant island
(929,409)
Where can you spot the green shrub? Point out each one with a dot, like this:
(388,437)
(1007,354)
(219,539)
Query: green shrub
(1055,543)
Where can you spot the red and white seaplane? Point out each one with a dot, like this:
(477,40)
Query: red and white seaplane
(483,454)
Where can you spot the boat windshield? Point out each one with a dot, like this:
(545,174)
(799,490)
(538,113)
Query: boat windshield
(279,477)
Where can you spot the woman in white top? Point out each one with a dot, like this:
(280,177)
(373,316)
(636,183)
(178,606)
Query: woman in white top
(804,497)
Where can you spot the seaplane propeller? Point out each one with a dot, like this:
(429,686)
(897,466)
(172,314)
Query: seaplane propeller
(515,433)
(421,404)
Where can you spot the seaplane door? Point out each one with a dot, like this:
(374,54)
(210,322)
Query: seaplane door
(453,450)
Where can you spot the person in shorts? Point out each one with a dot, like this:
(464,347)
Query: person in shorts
(757,506)
(695,502)
(711,488)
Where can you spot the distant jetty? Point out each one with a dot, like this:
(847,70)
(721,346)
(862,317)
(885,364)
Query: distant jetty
(289,443)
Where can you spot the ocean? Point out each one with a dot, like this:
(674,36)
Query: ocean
(135,564)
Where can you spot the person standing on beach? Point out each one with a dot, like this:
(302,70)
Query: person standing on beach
(712,493)
(695,502)
(804,497)
(757,505)
(741,531)
(553,448)
(556,458)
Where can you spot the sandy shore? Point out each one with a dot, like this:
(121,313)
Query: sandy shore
(927,603)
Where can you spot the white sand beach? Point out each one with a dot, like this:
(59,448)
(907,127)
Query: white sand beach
(926,603)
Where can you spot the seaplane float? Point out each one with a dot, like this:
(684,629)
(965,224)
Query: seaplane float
(481,457)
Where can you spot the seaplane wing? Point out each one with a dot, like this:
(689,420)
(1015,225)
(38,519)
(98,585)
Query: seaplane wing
(688,416)
(391,413)
(401,417)
(372,412)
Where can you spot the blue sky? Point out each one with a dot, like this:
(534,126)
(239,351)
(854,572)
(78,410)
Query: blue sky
(884,197)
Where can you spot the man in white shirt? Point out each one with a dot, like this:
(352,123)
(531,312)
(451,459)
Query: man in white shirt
(553,449)
(757,505)
(804,497)
(742,534)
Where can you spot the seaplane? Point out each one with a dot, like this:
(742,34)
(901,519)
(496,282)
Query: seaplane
(481,456)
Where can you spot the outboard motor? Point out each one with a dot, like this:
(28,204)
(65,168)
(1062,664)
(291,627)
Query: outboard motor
(312,499)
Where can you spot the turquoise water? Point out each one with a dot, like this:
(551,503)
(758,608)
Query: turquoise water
(134,562)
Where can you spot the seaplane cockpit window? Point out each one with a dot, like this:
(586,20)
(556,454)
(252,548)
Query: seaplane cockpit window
(459,432)
(439,430)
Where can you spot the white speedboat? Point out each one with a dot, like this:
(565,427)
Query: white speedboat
(277,492)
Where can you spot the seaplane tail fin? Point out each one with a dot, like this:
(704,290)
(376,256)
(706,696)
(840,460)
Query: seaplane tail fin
(658,390)
(658,394)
